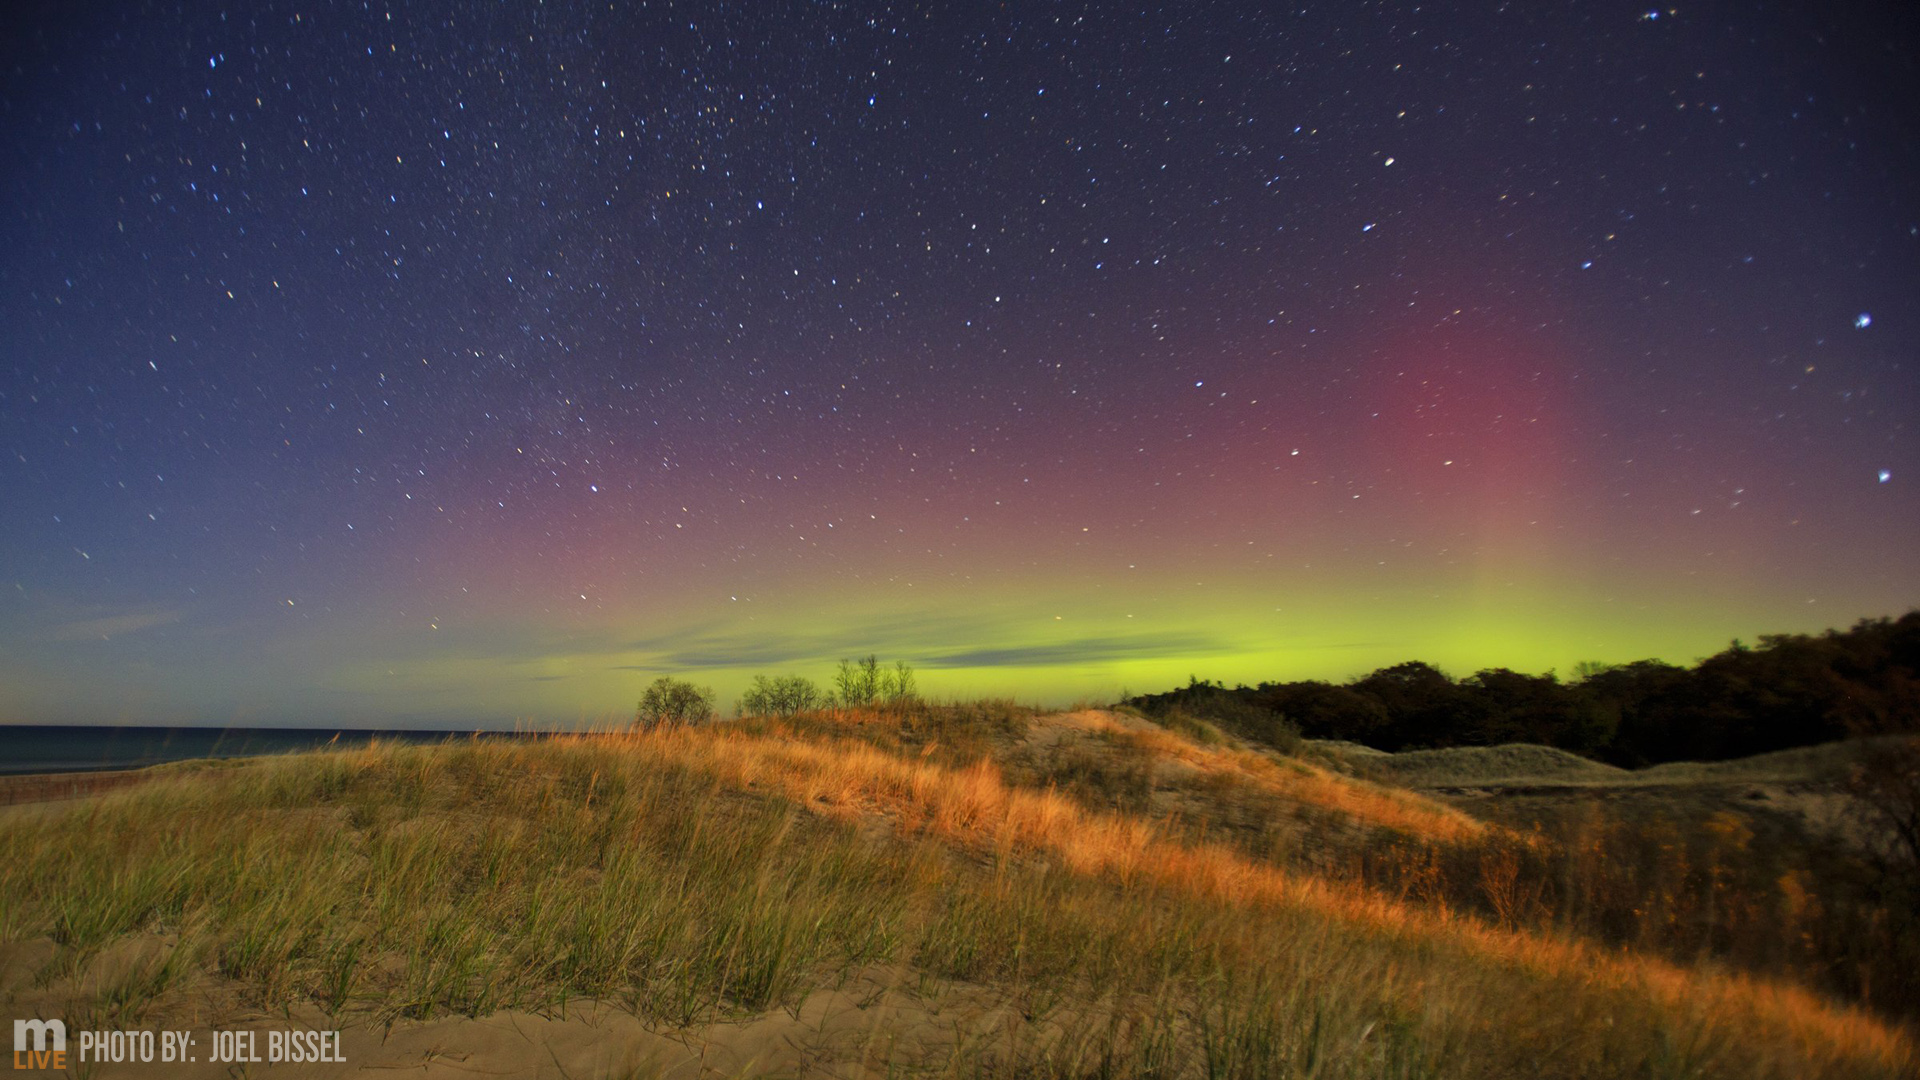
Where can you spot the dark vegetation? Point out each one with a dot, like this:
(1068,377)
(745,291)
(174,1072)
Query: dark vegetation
(673,701)
(781,695)
(1790,690)
(857,683)
(1699,872)
(1691,874)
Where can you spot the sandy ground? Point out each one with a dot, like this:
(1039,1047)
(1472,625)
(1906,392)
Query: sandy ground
(875,1025)
(831,1035)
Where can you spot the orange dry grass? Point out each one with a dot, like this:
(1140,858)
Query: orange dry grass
(1310,785)
(972,806)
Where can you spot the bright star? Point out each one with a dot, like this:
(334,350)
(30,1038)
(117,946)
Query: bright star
(1862,321)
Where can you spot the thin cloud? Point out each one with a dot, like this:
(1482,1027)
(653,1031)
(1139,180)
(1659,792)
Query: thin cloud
(1084,651)
(899,636)
(107,627)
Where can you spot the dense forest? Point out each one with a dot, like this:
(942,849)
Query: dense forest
(1788,690)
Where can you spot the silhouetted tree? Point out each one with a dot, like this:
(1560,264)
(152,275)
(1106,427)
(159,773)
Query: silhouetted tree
(863,682)
(673,701)
(1788,690)
(857,682)
(1324,711)
(782,695)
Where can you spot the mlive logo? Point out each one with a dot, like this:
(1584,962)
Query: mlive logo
(34,1052)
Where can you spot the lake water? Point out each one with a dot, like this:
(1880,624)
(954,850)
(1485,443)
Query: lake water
(38,748)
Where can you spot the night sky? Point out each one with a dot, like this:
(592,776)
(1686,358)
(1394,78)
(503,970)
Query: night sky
(477,363)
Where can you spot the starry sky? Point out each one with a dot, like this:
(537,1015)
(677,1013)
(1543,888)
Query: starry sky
(473,364)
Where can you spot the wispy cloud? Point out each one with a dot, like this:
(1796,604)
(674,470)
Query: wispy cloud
(1091,650)
(107,627)
(904,636)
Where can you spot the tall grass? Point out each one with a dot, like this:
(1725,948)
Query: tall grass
(1673,862)
(699,874)
(1681,878)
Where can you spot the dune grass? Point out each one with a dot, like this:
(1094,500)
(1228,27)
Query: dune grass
(699,874)
(1765,864)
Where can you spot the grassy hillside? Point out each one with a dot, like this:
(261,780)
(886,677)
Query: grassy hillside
(1526,764)
(968,890)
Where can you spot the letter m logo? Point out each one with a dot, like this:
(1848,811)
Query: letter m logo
(44,1031)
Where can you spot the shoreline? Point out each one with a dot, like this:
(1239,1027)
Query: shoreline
(20,788)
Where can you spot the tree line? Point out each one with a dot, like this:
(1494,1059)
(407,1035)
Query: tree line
(855,683)
(1788,690)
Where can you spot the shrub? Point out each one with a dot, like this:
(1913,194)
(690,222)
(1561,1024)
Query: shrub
(782,695)
(673,701)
